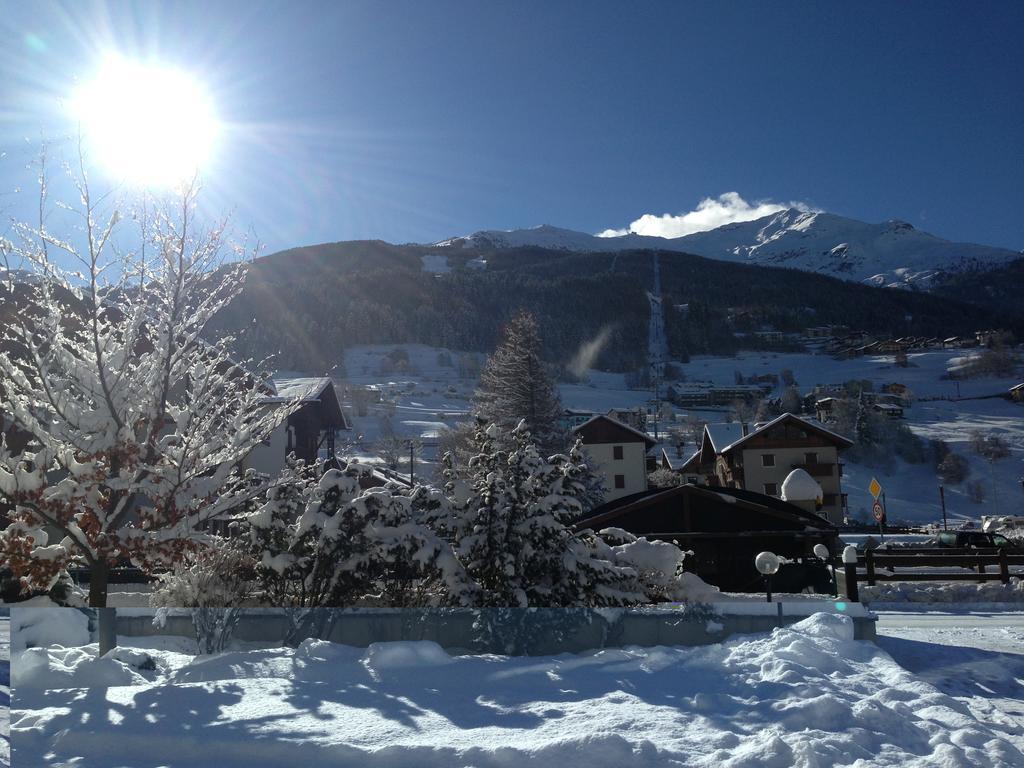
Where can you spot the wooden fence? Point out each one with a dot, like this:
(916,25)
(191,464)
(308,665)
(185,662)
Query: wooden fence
(980,560)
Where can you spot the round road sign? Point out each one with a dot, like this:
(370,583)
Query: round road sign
(877,510)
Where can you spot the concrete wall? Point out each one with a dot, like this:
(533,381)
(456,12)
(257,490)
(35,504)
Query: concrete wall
(543,631)
(633,466)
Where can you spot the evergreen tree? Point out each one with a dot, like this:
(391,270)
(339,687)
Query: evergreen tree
(515,386)
(516,542)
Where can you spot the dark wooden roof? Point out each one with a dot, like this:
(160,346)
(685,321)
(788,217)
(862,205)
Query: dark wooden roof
(605,429)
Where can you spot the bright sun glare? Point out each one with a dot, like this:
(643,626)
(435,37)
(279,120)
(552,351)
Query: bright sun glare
(146,124)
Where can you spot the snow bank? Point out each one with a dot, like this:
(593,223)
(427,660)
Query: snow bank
(380,657)
(806,695)
(56,667)
(943,592)
(33,627)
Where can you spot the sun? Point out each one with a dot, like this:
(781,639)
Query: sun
(146,124)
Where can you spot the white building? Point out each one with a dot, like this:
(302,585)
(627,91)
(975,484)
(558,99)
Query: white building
(618,453)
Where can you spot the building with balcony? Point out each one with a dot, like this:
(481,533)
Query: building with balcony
(761,458)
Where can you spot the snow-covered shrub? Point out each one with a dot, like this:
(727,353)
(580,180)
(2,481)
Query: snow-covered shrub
(664,478)
(335,544)
(219,575)
(214,582)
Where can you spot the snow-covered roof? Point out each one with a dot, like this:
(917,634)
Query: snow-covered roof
(811,423)
(648,440)
(800,486)
(307,390)
(724,435)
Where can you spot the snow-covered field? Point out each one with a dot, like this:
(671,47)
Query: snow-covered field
(429,394)
(806,695)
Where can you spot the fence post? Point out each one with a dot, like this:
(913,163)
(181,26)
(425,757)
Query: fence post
(981,568)
(869,561)
(850,569)
(1004,567)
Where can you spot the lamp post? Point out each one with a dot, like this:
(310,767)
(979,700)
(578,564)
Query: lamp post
(767,563)
(822,553)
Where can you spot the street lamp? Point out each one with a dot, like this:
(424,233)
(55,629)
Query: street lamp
(822,553)
(767,563)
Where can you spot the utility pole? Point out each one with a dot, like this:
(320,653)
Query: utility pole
(942,496)
(412,463)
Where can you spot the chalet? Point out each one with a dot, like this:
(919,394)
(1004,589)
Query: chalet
(889,410)
(309,432)
(1016,393)
(760,459)
(618,452)
(726,528)
(824,409)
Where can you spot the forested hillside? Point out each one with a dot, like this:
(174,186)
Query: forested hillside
(308,304)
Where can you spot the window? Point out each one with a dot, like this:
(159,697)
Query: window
(617,452)
(620,481)
(771,489)
(810,458)
(767,459)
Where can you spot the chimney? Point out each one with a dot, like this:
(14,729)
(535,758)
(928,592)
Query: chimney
(745,428)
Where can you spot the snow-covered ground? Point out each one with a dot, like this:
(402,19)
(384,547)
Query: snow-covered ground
(967,652)
(805,695)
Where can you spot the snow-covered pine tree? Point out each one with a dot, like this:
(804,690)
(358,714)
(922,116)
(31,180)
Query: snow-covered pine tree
(136,422)
(517,544)
(338,545)
(515,385)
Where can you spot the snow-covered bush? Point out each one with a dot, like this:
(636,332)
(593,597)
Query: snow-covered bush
(335,544)
(658,567)
(219,576)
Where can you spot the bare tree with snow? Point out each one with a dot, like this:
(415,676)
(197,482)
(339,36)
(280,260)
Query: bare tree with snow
(136,422)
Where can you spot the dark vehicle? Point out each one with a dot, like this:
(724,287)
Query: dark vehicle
(975,539)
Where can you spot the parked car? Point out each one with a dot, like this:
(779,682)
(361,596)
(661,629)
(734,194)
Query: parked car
(975,539)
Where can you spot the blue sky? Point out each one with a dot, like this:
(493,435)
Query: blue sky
(413,121)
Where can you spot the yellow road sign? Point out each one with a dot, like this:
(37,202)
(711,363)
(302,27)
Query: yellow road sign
(875,487)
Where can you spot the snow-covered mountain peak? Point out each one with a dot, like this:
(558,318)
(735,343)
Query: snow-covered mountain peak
(891,253)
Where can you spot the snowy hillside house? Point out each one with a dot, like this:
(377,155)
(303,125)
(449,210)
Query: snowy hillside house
(309,432)
(760,459)
(618,453)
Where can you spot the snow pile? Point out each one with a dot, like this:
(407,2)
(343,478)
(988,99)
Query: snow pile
(800,486)
(56,667)
(381,657)
(804,695)
(35,627)
(944,592)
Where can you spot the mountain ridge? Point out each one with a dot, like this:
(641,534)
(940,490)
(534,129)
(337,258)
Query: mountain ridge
(891,254)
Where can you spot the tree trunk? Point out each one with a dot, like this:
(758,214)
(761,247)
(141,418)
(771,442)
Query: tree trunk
(99,574)
(107,629)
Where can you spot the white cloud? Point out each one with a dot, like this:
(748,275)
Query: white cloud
(709,214)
